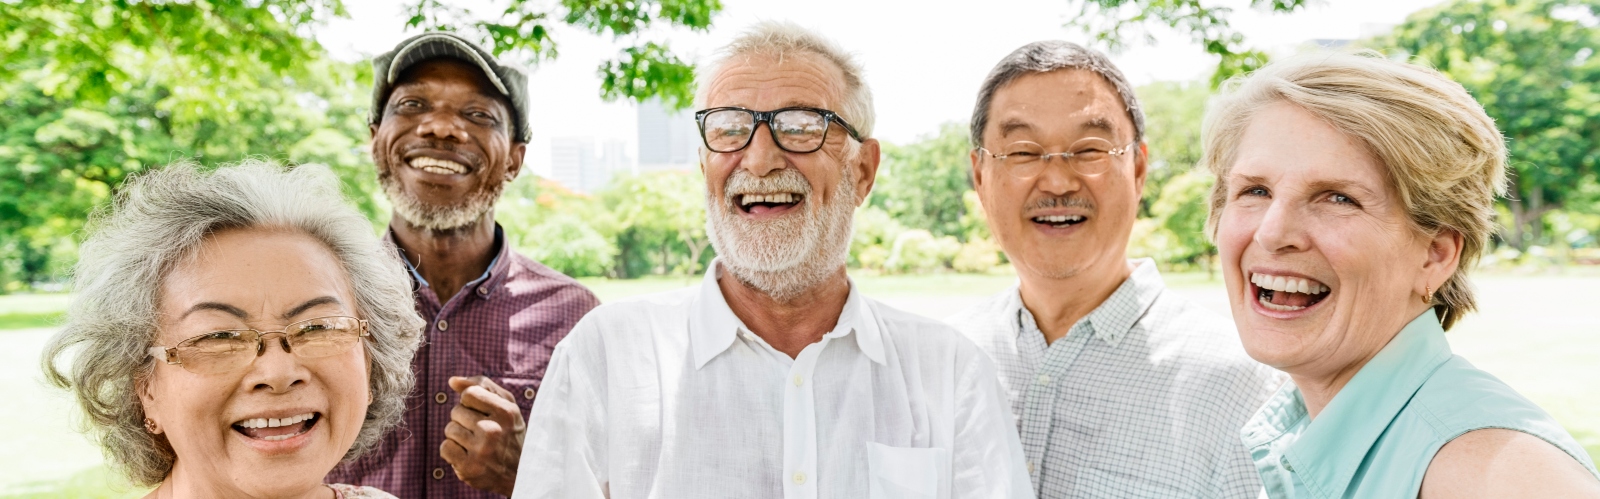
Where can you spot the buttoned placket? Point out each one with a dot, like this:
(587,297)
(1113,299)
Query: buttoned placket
(1041,397)
(800,422)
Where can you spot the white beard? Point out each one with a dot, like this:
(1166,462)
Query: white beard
(439,218)
(788,256)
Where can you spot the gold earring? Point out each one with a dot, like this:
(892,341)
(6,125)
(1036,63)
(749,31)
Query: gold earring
(150,426)
(1427,295)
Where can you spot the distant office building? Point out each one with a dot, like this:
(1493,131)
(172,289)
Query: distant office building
(668,140)
(574,162)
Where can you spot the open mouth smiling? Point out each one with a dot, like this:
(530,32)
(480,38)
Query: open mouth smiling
(1287,293)
(757,204)
(1059,221)
(437,166)
(277,429)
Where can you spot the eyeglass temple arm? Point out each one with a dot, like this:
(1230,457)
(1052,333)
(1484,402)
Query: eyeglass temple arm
(169,355)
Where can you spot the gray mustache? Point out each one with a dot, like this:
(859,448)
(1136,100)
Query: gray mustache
(741,182)
(1062,202)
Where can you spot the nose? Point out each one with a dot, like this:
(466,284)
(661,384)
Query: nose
(763,155)
(1281,229)
(276,372)
(442,125)
(1058,177)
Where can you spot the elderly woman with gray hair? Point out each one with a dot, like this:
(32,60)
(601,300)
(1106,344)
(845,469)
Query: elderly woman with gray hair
(213,342)
(1353,194)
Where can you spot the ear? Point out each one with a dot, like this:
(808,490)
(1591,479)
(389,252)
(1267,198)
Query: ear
(867,168)
(372,130)
(1141,167)
(147,399)
(1444,256)
(518,151)
(977,172)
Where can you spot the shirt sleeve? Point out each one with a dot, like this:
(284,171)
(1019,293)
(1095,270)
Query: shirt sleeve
(988,460)
(564,450)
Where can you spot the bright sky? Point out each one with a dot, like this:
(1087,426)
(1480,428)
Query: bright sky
(924,62)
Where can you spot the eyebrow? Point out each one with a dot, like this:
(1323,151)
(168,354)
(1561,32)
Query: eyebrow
(321,300)
(1013,125)
(240,313)
(1098,123)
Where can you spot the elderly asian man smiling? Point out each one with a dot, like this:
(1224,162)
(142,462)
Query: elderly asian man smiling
(774,377)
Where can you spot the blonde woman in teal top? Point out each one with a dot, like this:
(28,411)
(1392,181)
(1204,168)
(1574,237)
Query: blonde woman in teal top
(1353,193)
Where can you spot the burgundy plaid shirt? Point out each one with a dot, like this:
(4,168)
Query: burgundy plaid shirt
(502,325)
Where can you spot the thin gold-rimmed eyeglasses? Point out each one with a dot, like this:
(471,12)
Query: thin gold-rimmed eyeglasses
(1089,156)
(231,349)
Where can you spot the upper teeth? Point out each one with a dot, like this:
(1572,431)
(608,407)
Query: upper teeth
(435,165)
(274,422)
(782,197)
(1288,284)
(1056,219)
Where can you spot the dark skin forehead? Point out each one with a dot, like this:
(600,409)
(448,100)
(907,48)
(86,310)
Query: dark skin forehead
(445,69)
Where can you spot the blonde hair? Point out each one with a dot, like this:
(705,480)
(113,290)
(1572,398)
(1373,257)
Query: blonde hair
(1443,153)
(780,38)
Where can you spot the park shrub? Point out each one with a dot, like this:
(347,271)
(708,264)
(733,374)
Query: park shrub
(567,244)
(978,256)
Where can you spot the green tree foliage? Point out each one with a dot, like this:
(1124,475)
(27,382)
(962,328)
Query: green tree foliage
(1532,65)
(645,69)
(1173,111)
(96,90)
(661,219)
(921,184)
(1114,22)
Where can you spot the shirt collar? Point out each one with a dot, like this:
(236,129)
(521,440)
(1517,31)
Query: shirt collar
(1330,448)
(713,326)
(491,277)
(1113,318)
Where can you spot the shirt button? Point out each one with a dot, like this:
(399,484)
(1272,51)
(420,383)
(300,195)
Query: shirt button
(442,325)
(799,380)
(441,397)
(1044,379)
(483,290)
(799,478)
(438,473)
(1285,461)
(528,393)
(1030,467)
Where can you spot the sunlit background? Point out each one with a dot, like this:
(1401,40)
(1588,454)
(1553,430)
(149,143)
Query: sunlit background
(96,90)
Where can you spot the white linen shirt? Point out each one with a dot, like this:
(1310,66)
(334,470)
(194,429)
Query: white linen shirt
(671,396)
(1143,397)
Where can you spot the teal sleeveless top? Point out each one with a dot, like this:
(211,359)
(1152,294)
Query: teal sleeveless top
(1378,434)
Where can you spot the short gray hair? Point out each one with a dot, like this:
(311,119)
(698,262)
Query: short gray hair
(1044,57)
(780,38)
(158,220)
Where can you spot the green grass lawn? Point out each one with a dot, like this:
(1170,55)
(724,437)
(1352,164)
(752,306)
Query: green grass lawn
(1538,332)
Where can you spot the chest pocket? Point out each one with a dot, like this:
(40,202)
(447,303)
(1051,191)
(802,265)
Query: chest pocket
(522,387)
(907,473)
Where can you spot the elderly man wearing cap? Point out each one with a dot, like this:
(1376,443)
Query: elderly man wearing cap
(774,377)
(449,129)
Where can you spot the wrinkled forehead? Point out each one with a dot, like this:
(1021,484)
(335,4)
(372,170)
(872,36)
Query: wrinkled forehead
(1042,102)
(769,80)
(448,71)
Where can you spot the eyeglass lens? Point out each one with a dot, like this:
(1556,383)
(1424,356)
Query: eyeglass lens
(1089,156)
(795,130)
(222,351)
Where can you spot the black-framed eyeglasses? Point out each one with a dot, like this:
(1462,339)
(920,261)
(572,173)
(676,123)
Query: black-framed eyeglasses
(231,349)
(794,129)
(1088,156)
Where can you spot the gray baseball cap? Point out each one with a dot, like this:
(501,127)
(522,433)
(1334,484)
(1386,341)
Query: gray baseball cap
(510,80)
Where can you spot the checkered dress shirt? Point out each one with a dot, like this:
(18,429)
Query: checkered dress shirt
(503,325)
(1144,397)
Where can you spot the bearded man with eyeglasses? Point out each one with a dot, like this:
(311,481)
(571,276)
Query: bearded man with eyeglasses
(774,377)
(1119,389)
